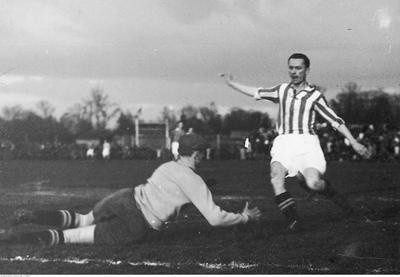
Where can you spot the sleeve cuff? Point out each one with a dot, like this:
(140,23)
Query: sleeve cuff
(336,124)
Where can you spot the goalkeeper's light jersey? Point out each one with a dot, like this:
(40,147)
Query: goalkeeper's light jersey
(297,109)
(174,184)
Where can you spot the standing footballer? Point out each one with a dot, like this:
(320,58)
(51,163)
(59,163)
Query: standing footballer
(297,151)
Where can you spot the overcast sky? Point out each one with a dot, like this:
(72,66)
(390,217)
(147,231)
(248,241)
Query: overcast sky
(155,53)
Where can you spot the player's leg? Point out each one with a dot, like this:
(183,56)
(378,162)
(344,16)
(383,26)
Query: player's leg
(43,237)
(62,219)
(312,179)
(317,183)
(278,174)
(117,221)
(50,237)
(283,198)
(303,184)
(113,231)
(314,166)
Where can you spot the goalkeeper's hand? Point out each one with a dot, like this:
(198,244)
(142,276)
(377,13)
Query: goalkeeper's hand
(253,214)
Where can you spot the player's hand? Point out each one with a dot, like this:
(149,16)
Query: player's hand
(253,213)
(227,77)
(362,150)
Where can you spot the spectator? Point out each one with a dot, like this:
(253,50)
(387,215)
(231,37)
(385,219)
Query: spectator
(176,134)
(106,150)
(90,152)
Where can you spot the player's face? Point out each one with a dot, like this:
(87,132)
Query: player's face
(297,71)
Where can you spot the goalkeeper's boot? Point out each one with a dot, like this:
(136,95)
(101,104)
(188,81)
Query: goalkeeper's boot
(23,216)
(44,238)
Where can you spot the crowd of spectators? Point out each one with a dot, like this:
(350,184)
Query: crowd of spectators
(73,151)
(384,144)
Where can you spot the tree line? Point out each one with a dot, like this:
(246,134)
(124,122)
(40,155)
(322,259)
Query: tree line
(91,119)
(92,116)
(358,106)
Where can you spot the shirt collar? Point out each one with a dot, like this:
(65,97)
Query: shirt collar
(307,88)
(186,162)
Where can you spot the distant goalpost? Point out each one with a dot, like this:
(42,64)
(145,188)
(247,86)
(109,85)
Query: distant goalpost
(154,135)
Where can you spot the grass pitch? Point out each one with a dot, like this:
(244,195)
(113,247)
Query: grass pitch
(330,244)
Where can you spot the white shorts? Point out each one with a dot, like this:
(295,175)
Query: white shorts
(174,148)
(298,152)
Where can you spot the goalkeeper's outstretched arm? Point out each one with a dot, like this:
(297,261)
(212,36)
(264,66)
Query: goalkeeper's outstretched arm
(246,90)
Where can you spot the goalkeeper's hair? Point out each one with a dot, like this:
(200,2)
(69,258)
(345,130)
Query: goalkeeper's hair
(189,143)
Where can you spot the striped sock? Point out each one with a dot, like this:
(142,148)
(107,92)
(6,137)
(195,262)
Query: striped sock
(287,205)
(50,237)
(61,219)
(57,237)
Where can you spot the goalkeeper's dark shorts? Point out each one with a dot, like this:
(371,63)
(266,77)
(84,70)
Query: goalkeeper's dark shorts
(118,219)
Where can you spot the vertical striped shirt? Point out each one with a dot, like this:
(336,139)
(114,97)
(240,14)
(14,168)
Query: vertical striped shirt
(297,109)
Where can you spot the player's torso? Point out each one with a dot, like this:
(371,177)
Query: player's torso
(162,192)
(296,110)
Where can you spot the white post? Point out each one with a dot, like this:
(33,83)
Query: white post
(137,131)
(167,138)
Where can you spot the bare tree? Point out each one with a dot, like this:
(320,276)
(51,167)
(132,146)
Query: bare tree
(46,110)
(99,110)
(14,112)
(75,119)
(94,112)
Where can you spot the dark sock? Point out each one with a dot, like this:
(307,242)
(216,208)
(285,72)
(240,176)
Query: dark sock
(49,237)
(60,219)
(287,205)
(337,198)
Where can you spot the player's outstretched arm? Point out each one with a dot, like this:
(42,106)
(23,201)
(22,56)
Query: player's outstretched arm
(253,214)
(358,147)
(246,90)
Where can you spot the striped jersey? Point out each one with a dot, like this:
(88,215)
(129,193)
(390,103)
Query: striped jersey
(297,109)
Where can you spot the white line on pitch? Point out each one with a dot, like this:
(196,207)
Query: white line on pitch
(34,183)
(210,266)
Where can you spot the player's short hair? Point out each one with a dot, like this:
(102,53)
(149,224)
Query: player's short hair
(301,56)
(189,143)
